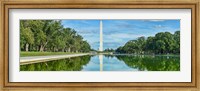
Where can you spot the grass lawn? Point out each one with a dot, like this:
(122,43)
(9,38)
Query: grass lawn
(23,54)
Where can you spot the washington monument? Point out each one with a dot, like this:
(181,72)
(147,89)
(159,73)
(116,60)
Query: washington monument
(101,36)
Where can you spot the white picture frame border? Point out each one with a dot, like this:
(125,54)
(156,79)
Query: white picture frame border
(184,75)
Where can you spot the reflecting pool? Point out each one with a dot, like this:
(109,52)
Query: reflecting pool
(109,63)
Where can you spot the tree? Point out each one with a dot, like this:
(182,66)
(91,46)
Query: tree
(141,42)
(177,42)
(109,50)
(37,26)
(85,47)
(50,35)
(78,41)
(160,46)
(168,39)
(150,45)
(162,43)
(26,36)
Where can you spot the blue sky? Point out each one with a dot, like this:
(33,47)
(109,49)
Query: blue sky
(117,32)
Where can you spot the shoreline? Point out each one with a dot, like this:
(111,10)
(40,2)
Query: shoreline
(144,54)
(38,59)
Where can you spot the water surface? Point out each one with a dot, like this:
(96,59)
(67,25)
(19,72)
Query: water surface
(108,63)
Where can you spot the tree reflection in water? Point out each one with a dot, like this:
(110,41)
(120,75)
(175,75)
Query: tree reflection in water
(109,62)
(69,64)
(152,63)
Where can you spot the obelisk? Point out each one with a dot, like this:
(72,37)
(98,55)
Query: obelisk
(101,36)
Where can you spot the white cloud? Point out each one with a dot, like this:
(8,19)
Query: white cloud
(156,20)
(159,26)
(124,35)
(84,22)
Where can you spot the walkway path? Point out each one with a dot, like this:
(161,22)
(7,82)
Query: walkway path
(37,59)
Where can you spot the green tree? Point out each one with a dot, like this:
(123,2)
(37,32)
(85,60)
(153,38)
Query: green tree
(37,26)
(168,40)
(162,43)
(26,36)
(85,47)
(150,45)
(177,42)
(50,35)
(141,42)
(160,46)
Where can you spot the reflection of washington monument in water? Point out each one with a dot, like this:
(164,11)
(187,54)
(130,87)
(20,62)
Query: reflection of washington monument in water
(101,62)
(101,46)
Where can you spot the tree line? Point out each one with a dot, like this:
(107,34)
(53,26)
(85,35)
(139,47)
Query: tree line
(51,36)
(161,43)
(109,50)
